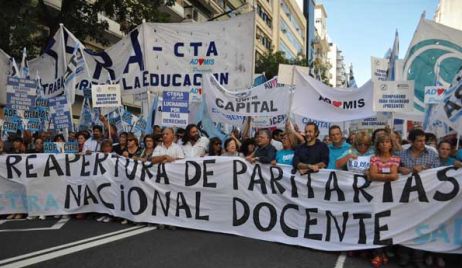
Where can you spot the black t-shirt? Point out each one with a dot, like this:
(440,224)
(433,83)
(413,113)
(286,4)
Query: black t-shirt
(313,154)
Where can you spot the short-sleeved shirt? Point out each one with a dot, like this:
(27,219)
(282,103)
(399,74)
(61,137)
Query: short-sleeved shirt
(265,154)
(335,153)
(285,157)
(174,150)
(198,149)
(313,154)
(428,158)
(385,167)
(447,162)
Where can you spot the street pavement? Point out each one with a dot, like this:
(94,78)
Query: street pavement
(88,243)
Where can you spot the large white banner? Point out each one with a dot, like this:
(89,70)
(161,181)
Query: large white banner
(318,101)
(329,210)
(158,56)
(267,99)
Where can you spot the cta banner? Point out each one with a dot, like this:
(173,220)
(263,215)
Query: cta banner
(393,96)
(157,57)
(328,210)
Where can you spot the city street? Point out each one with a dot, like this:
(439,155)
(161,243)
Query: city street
(87,243)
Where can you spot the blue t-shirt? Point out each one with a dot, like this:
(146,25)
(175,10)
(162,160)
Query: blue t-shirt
(459,155)
(335,153)
(448,162)
(285,157)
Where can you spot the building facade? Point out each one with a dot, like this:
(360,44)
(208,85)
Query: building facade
(337,71)
(281,26)
(449,13)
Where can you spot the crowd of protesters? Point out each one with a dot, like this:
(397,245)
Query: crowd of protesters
(384,156)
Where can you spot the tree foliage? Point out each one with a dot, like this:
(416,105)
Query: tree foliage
(269,63)
(31,23)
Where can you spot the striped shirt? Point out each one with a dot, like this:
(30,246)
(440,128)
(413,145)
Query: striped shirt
(385,167)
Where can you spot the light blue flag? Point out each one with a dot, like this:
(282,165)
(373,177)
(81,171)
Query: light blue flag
(205,123)
(260,79)
(152,115)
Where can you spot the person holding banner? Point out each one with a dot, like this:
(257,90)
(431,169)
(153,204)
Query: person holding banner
(337,147)
(286,155)
(193,144)
(167,151)
(357,158)
(94,143)
(383,167)
(417,157)
(231,148)
(265,152)
(81,139)
(215,148)
(122,145)
(312,155)
(38,146)
(133,150)
(444,153)
(149,144)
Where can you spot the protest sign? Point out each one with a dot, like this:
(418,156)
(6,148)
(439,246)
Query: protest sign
(175,108)
(21,93)
(60,114)
(329,210)
(434,94)
(53,147)
(106,96)
(379,68)
(393,96)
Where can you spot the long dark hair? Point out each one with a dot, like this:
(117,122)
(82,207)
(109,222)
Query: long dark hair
(245,146)
(211,143)
(186,138)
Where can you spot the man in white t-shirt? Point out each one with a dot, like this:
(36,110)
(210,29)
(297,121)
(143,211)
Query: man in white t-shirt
(193,144)
(94,143)
(167,151)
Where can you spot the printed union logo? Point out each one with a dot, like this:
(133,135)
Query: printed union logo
(202,61)
(383,87)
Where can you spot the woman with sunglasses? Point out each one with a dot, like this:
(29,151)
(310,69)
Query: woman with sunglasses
(357,158)
(132,150)
(215,148)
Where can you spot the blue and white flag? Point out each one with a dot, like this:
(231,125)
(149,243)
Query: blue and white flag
(205,123)
(75,68)
(85,116)
(24,65)
(392,59)
(14,70)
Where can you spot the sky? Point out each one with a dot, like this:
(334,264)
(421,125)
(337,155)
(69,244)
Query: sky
(365,28)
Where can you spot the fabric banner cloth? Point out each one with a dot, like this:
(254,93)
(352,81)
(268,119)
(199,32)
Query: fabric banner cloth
(329,210)
(157,57)
(268,99)
(433,59)
(318,101)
